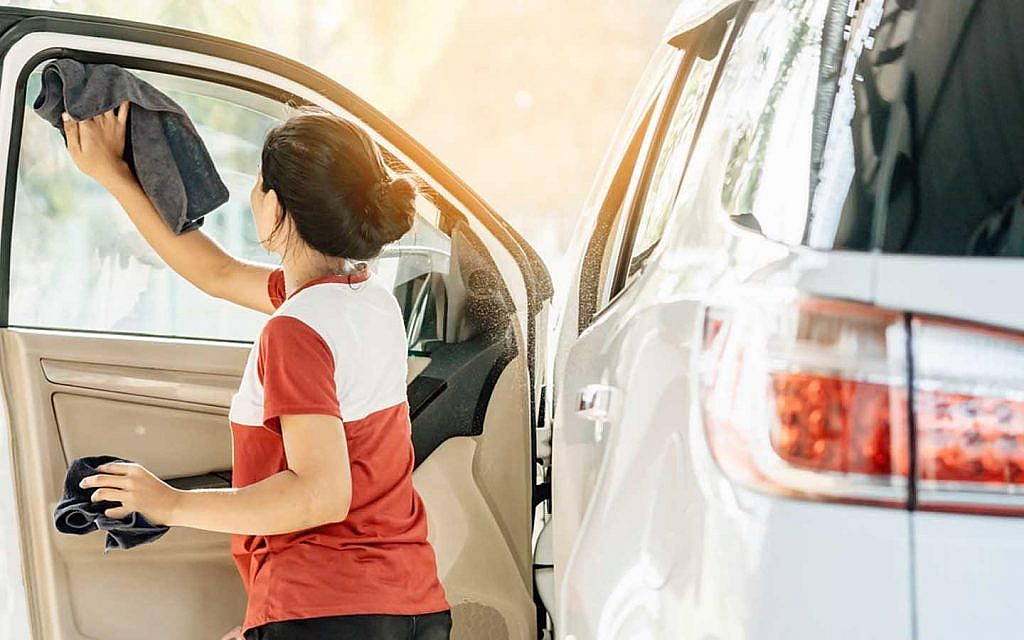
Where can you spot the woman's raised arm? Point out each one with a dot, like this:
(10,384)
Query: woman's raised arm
(96,146)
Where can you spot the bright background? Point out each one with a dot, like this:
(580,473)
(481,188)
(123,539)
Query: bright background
(519,97)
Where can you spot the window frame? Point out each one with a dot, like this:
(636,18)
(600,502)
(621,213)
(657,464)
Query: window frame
(593,285)
(445,187)
(691,43)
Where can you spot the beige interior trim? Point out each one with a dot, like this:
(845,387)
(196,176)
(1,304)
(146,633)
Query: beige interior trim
(503,463)
(481,578)
(185,585)
(416,366)
(187,386)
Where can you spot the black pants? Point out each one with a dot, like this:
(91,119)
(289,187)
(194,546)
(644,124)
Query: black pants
(428,626)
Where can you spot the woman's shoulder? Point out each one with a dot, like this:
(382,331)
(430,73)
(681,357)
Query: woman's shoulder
(342,311)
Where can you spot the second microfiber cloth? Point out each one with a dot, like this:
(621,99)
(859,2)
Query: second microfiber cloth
(77,513)
(162,145)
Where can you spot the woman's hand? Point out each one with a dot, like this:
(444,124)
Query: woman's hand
(97,144)
(136,489)
(233,634)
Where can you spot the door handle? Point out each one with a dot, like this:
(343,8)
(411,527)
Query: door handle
(595,402)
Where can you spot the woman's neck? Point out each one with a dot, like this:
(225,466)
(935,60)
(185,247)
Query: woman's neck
(302,269)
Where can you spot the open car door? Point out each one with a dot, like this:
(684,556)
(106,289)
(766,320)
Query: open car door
(105,350)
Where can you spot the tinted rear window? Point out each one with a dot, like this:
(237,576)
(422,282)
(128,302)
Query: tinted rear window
(919,143)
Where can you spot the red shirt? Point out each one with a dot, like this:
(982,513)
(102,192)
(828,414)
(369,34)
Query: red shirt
(334,346)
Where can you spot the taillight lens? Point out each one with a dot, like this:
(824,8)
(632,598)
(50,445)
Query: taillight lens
(807,397)
(830,423)
(969,412)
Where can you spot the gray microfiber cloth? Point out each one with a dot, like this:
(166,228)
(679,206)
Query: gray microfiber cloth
(162,146)
(76,512)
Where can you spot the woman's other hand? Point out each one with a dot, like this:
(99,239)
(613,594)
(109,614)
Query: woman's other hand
(136,488)
(97,144)
(234,633)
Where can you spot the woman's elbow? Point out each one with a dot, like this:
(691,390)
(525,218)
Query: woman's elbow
(334,505)
(340,509)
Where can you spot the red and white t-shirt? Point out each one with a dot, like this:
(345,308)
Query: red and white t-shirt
(336,346)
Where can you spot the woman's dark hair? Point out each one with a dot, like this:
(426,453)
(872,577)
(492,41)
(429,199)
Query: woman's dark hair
(331,179)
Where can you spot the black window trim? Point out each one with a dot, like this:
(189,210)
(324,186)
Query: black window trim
(694,40)
(589,288)
(632,222)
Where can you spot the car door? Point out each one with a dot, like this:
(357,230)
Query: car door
(104,350)
(609,342)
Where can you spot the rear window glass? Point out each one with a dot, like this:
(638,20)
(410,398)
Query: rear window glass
(918,144)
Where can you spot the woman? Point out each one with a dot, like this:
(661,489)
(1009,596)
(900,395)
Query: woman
(328,533)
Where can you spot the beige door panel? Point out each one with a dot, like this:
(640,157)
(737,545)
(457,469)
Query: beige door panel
(480,575)
(87,394)
(176,598)
(158,435)
(180,586)
(183,585)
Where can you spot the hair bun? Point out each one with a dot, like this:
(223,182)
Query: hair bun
(400,189)
(395,202)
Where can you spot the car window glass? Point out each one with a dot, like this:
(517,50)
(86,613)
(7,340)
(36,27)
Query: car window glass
(671,160)
(925,145)
(72,242)
(752,160)
(621,229)
(770,81)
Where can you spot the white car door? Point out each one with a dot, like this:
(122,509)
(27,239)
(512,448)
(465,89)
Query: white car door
(106,351)
(614,457)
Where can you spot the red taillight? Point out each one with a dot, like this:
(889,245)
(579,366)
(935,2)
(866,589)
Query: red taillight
(826,423)
(809,398)
(968,438)
(969,412)
(806,397)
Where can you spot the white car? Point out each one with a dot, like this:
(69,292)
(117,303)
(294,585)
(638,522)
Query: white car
(794,324)
(783,398)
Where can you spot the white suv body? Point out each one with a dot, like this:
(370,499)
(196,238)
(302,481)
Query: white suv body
(721,384)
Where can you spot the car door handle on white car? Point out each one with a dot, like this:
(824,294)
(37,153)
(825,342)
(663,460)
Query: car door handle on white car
(596,403)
